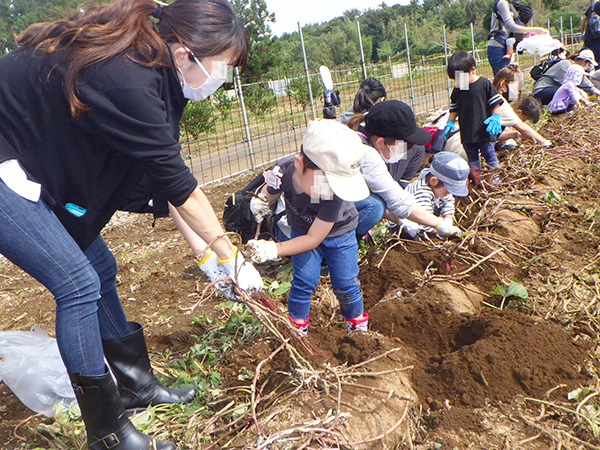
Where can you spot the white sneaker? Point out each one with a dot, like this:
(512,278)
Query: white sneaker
(353,325)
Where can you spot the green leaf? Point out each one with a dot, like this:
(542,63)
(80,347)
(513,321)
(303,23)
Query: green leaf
(516,289)
(143,419)
(283,288)
(499,290)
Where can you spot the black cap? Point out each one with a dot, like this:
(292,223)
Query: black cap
(395,119)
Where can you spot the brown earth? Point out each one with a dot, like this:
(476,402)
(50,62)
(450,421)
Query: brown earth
(469,369)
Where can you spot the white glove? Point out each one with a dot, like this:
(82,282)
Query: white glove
(214,271)
(261,250)
(411,228)
(243,273)
(447,229)
(260,207)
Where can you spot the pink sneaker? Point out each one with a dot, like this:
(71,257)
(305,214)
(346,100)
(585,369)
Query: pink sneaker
(357,324)
(302,327)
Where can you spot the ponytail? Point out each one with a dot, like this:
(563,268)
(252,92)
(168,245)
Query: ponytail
(355,121)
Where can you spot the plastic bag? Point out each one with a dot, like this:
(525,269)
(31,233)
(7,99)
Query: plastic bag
(541,43)
(31,366)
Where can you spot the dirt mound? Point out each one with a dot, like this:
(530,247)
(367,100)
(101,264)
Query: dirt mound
(470,360)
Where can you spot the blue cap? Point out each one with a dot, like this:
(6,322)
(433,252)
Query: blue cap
(452,171)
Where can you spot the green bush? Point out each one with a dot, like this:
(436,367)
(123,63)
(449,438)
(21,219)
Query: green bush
(198,118)
(259,99)
(298,90)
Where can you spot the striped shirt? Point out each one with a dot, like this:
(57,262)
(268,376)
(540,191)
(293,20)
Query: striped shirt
(438,206)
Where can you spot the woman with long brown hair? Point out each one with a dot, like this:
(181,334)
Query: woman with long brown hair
(90,106)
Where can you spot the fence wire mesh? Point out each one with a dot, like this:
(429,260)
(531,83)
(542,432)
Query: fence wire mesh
(262,120)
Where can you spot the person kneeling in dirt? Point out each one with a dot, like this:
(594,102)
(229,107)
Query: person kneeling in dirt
(391,133)
(320,185)
(435,190)
(513,122)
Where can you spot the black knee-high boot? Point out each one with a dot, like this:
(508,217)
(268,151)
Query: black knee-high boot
(105,420)
(138,386)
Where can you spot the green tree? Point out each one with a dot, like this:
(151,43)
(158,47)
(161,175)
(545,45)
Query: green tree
(17,15)
(259,98)
(298,90)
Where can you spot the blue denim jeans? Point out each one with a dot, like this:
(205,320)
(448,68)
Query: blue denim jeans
(370,211)
(487,151)
(495,58)
(83,283)
(341,255)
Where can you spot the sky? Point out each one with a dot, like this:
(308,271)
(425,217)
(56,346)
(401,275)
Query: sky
(289,12)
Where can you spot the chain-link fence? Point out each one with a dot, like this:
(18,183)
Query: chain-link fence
(263,120)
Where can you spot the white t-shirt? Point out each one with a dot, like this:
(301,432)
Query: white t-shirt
(15,178)
(508,117)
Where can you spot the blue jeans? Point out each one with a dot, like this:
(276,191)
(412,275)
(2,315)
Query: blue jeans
(83,283)
(370,211)
(341,255)
(495,58)
(487,151)
(594,46)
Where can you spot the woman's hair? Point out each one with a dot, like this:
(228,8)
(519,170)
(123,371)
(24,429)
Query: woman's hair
(557,51)
(505,74)
(355,121)
(93,34)
(460,61)
(369,92)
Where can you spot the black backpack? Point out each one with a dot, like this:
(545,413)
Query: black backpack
(540,69)
(238,217)
(593,21)
(522,15)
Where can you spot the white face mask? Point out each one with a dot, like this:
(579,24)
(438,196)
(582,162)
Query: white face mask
(210,85)
(397,152)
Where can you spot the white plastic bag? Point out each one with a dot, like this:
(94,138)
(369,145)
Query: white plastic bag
(541,43)
(31,366)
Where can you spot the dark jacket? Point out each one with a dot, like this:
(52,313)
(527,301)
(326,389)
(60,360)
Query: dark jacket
(130,131)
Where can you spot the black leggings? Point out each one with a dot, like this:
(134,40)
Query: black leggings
(546,94)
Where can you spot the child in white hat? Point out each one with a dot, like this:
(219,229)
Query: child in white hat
(320,185)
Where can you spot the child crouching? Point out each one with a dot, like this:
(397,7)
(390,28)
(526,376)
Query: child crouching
(435,189)
(320,185)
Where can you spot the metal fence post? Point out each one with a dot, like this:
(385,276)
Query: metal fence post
(310,97)
(245,117)
(571,27)
(412,90)
(473,42)
(446,60)
(362,53)
(561,30)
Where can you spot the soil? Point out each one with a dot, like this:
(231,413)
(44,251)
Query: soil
(469,369)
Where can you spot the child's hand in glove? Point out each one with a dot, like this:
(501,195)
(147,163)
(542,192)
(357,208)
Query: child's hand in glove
(261,251)
(493,124)
(446,229)
(260,207)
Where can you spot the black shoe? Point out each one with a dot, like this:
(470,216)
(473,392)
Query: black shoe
(105,420)
(129,362)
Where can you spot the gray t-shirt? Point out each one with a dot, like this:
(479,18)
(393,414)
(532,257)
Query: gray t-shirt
(507,25)
(302,210)
(555,77)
